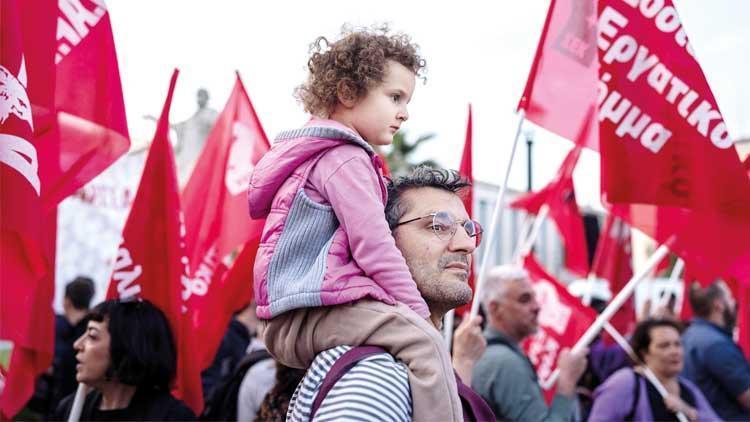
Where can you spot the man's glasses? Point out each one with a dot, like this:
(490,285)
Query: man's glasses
(444,226)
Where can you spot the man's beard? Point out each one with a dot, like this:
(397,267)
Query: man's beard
(441,295)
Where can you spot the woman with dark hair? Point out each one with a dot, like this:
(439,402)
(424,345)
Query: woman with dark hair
(127,356)
(628,396)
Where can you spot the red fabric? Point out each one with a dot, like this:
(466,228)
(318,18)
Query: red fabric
(562,83)
(217,221)
(466,171)
(215,198)
(230,291)
(151,262)
(559,195)
(88,97)
(562,321)
(27,232)
(662,138)
(613,262)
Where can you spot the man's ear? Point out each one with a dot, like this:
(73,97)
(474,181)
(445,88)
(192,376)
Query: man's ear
(346,93)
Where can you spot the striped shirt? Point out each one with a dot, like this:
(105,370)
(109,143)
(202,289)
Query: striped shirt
(375,389)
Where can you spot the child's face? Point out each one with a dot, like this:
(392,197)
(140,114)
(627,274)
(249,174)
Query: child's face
(378,115)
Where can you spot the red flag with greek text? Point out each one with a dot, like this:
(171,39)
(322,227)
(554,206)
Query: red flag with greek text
(27,231)
(90,111)
(613,262)
(466,171)
(151,262)
(559,196)
(562,321)
(664,145)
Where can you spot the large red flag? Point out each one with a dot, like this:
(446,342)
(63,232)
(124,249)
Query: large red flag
(613,262)
(466,171)
(217,222)
(562,321)
(662,138)
(215,198)
(89,105)
(559,195)
(27,232)
(151,262)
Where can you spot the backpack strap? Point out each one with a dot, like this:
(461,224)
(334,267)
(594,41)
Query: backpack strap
(339,369)
(636,393)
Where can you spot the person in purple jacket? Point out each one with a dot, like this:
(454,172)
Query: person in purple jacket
(629,396)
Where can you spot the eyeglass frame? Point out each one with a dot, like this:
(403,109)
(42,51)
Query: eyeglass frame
(475,223)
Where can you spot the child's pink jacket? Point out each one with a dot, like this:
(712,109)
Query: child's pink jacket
(326,240)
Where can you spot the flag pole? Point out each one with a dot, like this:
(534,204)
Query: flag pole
(615,304)
(679,265)
(80,397)
(646,370)
(536,228)
(495,221)
(448,327)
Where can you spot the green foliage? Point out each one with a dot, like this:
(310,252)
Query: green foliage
(399,158)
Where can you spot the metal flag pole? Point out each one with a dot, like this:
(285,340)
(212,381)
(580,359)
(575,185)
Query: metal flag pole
(497,214)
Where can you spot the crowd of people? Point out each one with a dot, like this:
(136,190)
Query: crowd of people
(352,282)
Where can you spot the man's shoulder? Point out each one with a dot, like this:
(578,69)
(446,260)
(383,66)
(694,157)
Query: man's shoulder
(377,384)
(503,353)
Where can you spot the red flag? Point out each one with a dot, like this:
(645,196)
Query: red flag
(217,222)
(613,262)
(562,83)
(230,291)
(89,105)
(559,195)
(662,138)
(562,321)
(215,201)
(466,171)
(151,262)
(27,232)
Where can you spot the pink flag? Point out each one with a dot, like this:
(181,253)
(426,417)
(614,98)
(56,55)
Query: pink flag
(664,145)
(27,232)
(562,321)
(466,171)
(151,262)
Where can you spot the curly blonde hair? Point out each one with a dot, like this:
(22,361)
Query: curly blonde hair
(350,66)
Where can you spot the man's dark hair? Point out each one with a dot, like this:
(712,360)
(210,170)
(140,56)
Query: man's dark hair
(80,291)
(641,339)
(142,348)
(420,177)
(702,298)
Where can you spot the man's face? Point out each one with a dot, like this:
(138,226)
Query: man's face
(440,267)
(517,309)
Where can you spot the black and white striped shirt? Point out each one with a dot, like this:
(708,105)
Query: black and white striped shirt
(375,389)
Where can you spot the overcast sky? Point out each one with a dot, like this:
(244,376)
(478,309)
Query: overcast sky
(476,51)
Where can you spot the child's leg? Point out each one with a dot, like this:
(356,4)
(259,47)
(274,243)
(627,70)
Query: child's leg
(295,337)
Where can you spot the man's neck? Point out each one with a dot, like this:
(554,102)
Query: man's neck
(436,318)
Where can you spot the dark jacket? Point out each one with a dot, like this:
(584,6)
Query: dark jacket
(145,406)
